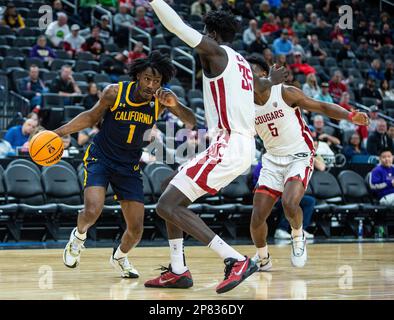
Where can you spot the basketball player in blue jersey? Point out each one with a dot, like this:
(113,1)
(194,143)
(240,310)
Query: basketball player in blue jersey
(128,109)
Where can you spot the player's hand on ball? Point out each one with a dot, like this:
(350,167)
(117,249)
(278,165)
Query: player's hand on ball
(166,97)
(278,75)
(360,118)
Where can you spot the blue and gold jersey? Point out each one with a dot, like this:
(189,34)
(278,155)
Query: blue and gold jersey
(121,137)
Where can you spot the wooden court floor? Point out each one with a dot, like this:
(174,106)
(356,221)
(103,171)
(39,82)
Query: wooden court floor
(333,271)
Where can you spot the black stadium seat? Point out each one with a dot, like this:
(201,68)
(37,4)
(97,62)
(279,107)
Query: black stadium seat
(24,184)
(27,163)
(157,177)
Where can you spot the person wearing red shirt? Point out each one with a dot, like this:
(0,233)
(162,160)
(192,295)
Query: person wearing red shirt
(270,26)
(142,21)
(344,103)
(299,67)
(336,87)
(138,52)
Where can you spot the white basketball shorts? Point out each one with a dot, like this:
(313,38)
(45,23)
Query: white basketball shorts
(278,170)
(228,156)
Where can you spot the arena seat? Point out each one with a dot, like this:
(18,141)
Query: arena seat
(27,163)
(24,184)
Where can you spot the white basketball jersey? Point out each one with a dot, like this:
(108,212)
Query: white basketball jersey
(281,127)
(228,98)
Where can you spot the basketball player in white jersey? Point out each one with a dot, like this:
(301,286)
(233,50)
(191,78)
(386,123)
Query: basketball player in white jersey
(288,163)
(228,86)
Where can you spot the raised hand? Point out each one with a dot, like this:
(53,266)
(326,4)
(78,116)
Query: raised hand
(166,97)
(360,118)
(278,75)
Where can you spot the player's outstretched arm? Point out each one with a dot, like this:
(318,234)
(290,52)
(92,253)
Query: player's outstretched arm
(90,117)
(173,23)
(294,96)
(276,76)
(169,100)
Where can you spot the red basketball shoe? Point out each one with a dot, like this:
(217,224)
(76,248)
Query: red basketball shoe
(235,272)
(168,279)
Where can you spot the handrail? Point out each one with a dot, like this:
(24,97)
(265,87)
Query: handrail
(99,8)
(145,34)
(72,5)
(191,71)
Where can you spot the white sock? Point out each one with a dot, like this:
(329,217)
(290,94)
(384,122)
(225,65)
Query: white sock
(296,232)
(80,236)
(119,254)
(263,252)
(224,250)
(178,264)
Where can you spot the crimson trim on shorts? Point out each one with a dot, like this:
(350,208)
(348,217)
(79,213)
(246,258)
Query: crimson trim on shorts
(270,191)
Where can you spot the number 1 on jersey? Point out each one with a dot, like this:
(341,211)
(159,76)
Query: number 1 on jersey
(131,133)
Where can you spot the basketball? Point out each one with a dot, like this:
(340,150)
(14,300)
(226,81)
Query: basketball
(46,148)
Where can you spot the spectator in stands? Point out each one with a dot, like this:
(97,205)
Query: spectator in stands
(18,135)
(389,72)
(259,44)
(137,52)
(116,66)
(382,178)
(386,92)
(42,51)
(281,61)
(58,30)
(247,11)
(283,45)
(291,81)
(353,147)
(5,149)
(268,57)
(386,37)
(11,18)
(92,97)
(57,7)
(322,30)
(379,140)
(124,23)
(296,46)
(309,10)
(324,154)
(285,10)
(373,118)
(85,10)
(73,42)
(318,131)
(336,85)
(311,87)
(324,94)
(337,35)
(344,102)
(375,72)
(369,91)
(32,87)
(346,51)
(106,33)
(86,136)
(200,8)
(249,35)
(390,131)
(143,22)
(364,51)
(313,49)
(94,44)
(265,11)
(286,25)
(373,36)
(312,22)
(37,129)
(65,84)
(301,67)
(270,26)
(299,25)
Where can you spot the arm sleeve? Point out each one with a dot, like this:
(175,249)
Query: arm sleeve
(170,19)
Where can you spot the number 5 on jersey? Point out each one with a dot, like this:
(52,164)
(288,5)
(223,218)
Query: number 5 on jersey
(273,130)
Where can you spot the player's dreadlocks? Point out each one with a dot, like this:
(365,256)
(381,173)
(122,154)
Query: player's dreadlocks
(223,23)
(159,63)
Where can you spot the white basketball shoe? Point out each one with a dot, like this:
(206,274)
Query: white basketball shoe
(264,264)
(298,251)
(123,265)
(72,251)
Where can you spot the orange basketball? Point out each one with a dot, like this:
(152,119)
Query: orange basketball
(46,148)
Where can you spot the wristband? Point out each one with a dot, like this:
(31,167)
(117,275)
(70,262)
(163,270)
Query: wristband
(351,115)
